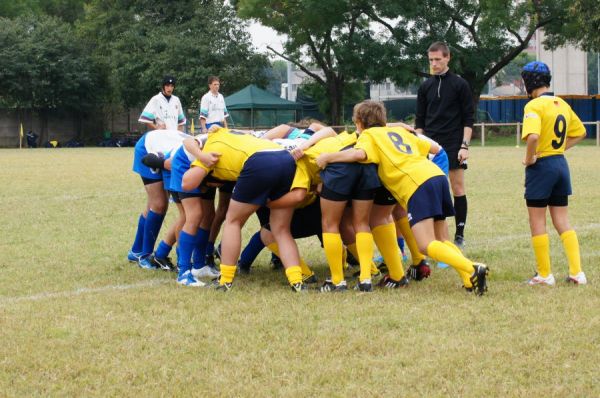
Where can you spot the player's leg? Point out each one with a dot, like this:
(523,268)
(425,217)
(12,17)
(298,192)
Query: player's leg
(331,215)
(279,222)
(384,235)
(156,209)
(403,226)
(187,238)
(161,254)
(540,242)
(215,228)
(231,242)
(457,182)
(568,236)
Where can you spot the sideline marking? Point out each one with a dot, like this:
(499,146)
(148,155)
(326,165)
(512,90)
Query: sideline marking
(83,290)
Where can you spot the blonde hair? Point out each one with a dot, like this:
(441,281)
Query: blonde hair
(370,114)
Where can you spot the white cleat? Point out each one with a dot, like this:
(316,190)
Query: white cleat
(539,280)
(206,272)
(578,279)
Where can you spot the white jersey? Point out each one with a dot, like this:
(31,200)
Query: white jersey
(212,108)
(160,109)
(164,141)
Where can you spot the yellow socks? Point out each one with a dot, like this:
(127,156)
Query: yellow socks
(352,249)
(571,246)
(465,276)
(305,268)
(294,274)
(364,246)
(541,248)
(404,227)
(227,273)
(441,252)
(334,249)
(385,239)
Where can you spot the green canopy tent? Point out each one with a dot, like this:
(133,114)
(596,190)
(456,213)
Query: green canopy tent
(256,108)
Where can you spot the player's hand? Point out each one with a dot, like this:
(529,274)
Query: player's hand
(529,162)
(160,125)
(297,153)
(210,158)
(463,155)
(322,160)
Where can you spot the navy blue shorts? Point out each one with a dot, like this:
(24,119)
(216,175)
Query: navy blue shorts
(139,167)
(174,197)
(346,181)
(547,177)
(265,175)
(305,221)
(431,200)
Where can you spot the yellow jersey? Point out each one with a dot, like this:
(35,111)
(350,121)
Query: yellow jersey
(400,156)
(235,148)
(553,120)
(307,171)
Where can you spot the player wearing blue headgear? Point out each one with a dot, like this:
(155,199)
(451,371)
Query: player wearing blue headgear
(550,127)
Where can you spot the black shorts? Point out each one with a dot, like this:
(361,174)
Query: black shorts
(431,200)
(186,195)
(305,221)
(383,197)
(346,181)
(175,196)
(453,160)
(148,181)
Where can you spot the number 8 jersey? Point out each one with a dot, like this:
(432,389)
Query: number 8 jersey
(553,120)
(401,158)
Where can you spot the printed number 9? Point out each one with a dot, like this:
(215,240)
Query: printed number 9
(560,130)
(399,144)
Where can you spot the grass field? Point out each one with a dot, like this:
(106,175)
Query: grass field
(77,320)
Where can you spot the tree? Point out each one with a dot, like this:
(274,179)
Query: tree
(42,67)
(579,24)
(276,74)
(331,35)
(189,39)
(484,35)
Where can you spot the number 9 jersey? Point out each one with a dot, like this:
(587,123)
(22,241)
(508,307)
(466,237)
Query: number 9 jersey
(553,120)
(401,158)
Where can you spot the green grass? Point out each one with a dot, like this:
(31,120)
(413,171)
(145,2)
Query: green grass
(77,320)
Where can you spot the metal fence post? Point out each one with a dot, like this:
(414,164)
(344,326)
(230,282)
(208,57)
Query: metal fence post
(598,131)
(482,133)
(518,134)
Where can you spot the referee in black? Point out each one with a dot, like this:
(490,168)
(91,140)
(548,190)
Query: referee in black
(445,114)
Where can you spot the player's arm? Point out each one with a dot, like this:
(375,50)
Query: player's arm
(193,178)
(572,141)
(351,155)
(324,132)
(530,154)
(290,199)
(194,147)
(405,126)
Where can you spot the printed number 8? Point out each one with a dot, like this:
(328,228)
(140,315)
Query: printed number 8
(399,143)
(560,130)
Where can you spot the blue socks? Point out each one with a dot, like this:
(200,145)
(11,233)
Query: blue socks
(163,250)
(200,248)
(151,230)
(186,247)
(401,244)
(252,249)
(138,242)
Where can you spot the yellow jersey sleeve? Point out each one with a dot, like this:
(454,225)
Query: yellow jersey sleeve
(532,120)
(367,144)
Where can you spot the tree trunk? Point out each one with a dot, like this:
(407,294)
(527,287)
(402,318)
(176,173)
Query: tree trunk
(336,98)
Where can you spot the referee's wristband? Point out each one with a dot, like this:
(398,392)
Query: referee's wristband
(464,147)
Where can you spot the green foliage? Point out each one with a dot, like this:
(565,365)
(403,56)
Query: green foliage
(580,25)
(276,74)
(352,93)
(43,67)
(188,39)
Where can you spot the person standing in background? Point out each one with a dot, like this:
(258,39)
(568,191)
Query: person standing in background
(164,110)
(445,113)
(212,106)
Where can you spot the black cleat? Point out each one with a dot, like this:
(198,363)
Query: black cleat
(364,287)
(299,287)
(243,268)
(478,279)
(329,287)
(225,287)
(459,241)
(389,283)
(276,263)
(163,263)
(419,272)
(309,279)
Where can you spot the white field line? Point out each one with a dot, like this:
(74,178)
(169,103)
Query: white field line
(156,282)
(82,291)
